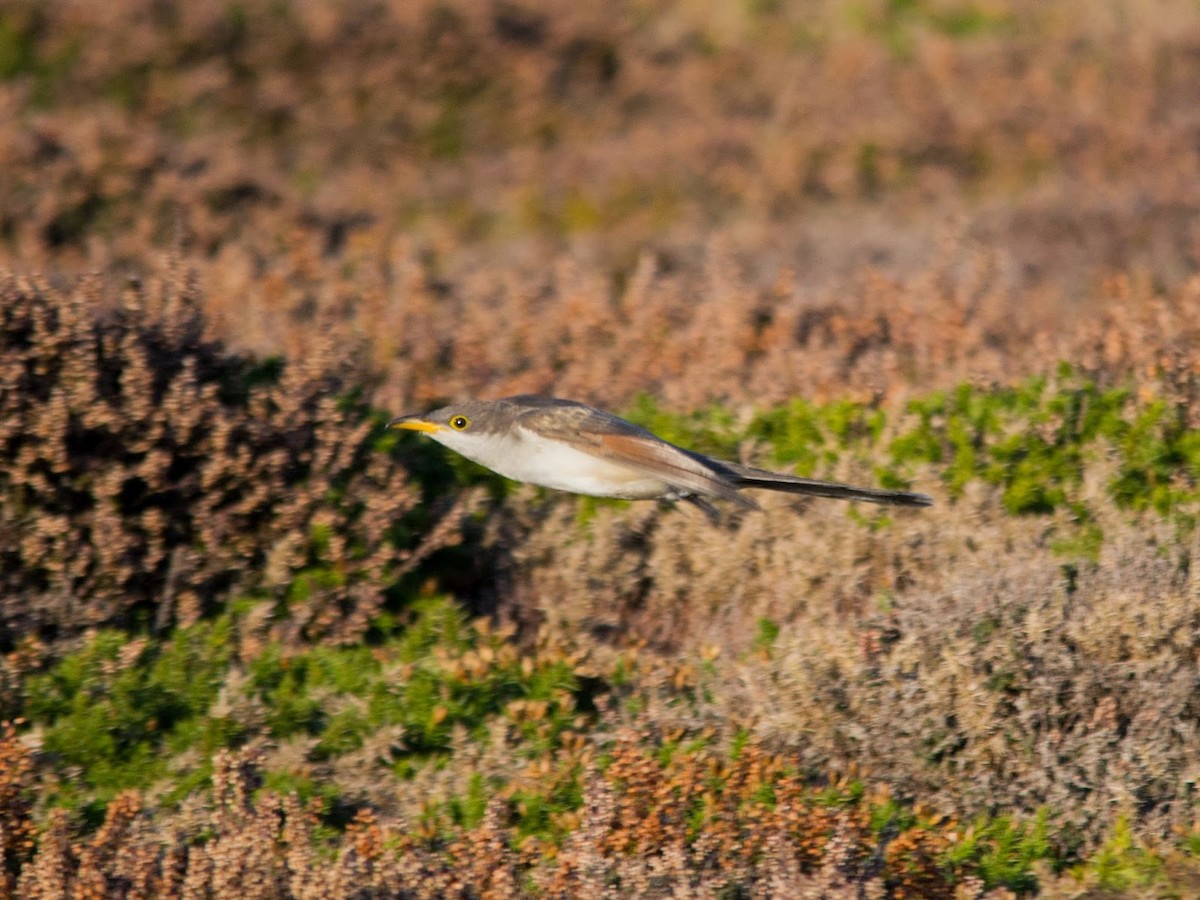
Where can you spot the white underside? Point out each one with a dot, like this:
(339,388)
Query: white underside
(528,457)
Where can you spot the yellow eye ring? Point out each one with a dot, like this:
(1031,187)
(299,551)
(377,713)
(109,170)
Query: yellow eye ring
(459,423)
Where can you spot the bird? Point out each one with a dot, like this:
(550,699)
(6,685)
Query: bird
(570,446)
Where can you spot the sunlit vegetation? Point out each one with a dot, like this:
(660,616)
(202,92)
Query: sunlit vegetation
(253,643)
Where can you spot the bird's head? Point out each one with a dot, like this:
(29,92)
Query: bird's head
(459,426)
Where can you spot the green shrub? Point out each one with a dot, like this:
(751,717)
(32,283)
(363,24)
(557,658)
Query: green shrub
(1003,851)
(118,709)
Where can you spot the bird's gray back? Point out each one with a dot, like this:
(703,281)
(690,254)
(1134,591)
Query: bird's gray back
(570,420)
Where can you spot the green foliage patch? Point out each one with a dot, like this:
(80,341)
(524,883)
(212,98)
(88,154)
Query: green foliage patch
(1034,441)
(1003,851)
(119,708)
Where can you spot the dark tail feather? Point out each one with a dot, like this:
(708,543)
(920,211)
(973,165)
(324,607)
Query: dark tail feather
(746,476)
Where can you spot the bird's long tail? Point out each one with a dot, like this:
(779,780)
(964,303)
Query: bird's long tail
(748,476)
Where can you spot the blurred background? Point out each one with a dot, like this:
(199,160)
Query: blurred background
(645,197)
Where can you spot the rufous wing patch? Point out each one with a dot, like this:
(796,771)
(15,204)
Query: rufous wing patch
(668,463)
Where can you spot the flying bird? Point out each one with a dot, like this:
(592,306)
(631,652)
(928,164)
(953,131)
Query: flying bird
(570,446)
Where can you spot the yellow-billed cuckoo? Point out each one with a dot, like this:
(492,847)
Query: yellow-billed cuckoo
(573,447)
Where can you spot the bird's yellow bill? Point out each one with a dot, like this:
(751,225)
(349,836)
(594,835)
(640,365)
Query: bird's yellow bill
(415,425)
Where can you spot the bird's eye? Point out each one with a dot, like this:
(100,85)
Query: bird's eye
(460,423)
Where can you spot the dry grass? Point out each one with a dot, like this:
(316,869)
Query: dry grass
(955,654)
(676,199)
(633,834)
(700,201)
(149,473)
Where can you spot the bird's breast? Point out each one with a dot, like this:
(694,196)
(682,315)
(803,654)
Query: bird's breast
(527,456)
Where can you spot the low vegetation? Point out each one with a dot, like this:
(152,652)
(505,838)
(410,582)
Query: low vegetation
(776,746)
(254,644)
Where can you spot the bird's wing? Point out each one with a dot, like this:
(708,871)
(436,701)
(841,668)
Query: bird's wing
(593,430)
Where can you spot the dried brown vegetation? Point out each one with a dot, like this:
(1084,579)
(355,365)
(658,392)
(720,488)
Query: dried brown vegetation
(705,824)
(503,196)
(739,203)
(148,471)
(638,831)
(958,653)
(17,830)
